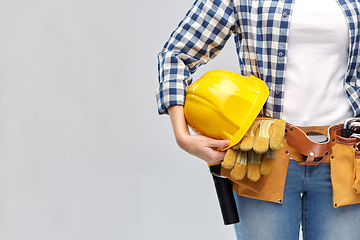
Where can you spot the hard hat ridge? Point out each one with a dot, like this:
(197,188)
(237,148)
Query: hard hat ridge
(223,104)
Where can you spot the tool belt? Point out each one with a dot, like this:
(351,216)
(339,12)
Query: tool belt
(342,154)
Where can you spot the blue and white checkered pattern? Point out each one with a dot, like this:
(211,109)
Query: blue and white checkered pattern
(261,32)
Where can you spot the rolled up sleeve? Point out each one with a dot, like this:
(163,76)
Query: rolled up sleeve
(199,37)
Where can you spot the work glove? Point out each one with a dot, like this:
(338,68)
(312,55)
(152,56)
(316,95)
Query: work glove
(254,155)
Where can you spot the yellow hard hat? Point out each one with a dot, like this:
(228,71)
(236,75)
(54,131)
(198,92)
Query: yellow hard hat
(223,104)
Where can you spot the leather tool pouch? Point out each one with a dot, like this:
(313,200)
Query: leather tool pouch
(345,170)
(267,188)
(342,153)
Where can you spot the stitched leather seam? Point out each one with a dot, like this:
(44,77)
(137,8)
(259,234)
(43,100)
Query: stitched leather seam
(332,161)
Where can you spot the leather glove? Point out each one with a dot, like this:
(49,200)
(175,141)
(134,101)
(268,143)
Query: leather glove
(254,155)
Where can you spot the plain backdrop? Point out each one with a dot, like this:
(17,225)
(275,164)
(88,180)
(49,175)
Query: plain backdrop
(84,154)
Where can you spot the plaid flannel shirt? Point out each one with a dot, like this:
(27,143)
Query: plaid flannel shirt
(261,32)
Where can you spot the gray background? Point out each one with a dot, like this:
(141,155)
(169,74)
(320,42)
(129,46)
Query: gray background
(83,152)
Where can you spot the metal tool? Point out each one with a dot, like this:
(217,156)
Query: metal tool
(354,126)
(351,129)
(350,126)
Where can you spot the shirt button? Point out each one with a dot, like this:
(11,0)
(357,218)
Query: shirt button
(284,14)
(277,92)
(280,54)
(358,68)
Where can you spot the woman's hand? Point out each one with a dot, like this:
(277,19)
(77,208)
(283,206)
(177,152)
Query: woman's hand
(200,146)
(203,147)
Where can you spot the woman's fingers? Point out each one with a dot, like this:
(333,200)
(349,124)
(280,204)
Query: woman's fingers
(206,148)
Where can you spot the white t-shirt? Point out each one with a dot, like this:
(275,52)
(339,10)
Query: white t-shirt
(316,65)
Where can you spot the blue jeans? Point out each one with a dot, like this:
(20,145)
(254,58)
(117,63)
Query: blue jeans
(307,202)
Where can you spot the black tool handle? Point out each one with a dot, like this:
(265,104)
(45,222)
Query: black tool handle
(225,195)
(346,132)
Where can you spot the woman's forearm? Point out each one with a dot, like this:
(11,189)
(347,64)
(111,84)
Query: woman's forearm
(197,145)
(178,122)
